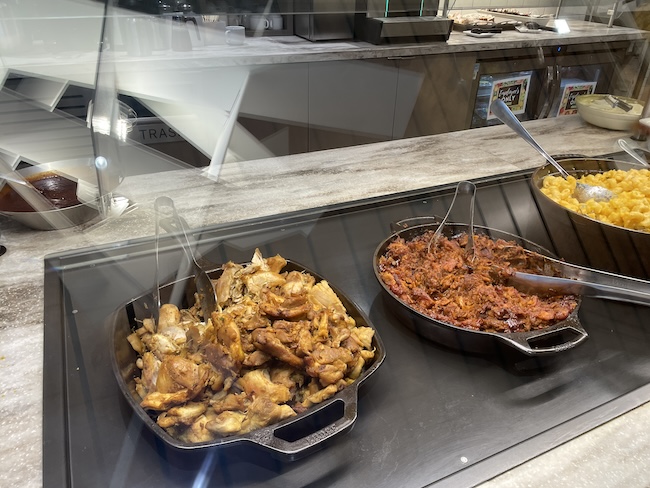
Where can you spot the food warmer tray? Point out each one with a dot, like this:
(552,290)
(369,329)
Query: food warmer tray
(429,416)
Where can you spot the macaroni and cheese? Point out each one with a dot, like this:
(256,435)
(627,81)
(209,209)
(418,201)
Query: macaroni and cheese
(630,207)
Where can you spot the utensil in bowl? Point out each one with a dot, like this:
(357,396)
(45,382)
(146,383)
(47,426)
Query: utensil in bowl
(168,218)
(554,339)
(582,192)
(467,191)
(583,281)
(586,241)
(289,439)
(617,102)
(596,109)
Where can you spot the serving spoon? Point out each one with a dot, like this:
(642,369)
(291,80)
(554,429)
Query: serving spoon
(582,192)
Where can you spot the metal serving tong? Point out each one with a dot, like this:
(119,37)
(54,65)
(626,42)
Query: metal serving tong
(617,102)
(168,219)
(466,190)
(578,280)
(629,149)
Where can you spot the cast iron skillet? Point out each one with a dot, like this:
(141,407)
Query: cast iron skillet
(289,439)
(556,338)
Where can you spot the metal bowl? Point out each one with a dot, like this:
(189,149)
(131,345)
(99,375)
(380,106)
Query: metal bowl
(58,218)
(556,338)
(586,241)
(289,439)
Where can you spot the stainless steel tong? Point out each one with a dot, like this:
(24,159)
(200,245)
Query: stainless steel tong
(167,217)
(467,191)
(617,102)
(579,280)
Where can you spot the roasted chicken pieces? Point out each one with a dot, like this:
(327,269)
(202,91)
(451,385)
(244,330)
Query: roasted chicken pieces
(277,344)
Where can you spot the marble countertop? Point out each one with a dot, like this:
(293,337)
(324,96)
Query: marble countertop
(283,49)
(614,454)
(79,67)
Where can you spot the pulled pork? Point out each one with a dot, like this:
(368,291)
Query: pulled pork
(443,282)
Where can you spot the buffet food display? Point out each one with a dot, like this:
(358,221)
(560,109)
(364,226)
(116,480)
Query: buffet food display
(470,289)
(484,22)
(630,208)
(470,18)
(597,243)
(512,11)
(114,436)
(60,191)
(57,193)
(464,300)
(599,110)
(280,342)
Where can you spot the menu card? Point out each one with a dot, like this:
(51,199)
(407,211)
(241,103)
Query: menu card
(513,92)
(571,91)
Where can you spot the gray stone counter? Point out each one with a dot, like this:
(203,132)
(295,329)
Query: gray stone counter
(614,454)
(80,66)
(266,50)
(292,49)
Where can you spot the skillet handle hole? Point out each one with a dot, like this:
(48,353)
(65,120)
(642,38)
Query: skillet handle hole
(312,423)
(554,339)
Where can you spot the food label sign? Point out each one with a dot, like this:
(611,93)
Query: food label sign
(150,130)
(513,92)
(568,100)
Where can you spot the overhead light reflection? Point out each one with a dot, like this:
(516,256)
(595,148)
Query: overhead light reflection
(562,26)
(126,120)
(101,125)
(122,129)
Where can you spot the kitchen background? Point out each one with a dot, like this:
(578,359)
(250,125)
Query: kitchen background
(51,56)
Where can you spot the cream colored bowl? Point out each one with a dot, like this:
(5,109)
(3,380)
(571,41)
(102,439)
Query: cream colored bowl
(595,110)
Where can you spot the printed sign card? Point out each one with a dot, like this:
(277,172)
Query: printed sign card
(513,92)
(569,94)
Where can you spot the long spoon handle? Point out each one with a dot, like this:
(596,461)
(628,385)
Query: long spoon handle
(505,115)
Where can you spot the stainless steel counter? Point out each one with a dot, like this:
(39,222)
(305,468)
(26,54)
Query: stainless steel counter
(613,454)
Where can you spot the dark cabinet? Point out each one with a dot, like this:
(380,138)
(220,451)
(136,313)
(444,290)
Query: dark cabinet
(433,94)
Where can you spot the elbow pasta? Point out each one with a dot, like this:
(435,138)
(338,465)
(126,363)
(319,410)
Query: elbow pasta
(630,208)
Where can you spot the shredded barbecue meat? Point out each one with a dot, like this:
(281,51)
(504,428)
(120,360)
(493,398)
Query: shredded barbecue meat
(443,283)
(277,344)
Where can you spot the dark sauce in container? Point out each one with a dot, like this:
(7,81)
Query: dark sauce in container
(59,190)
